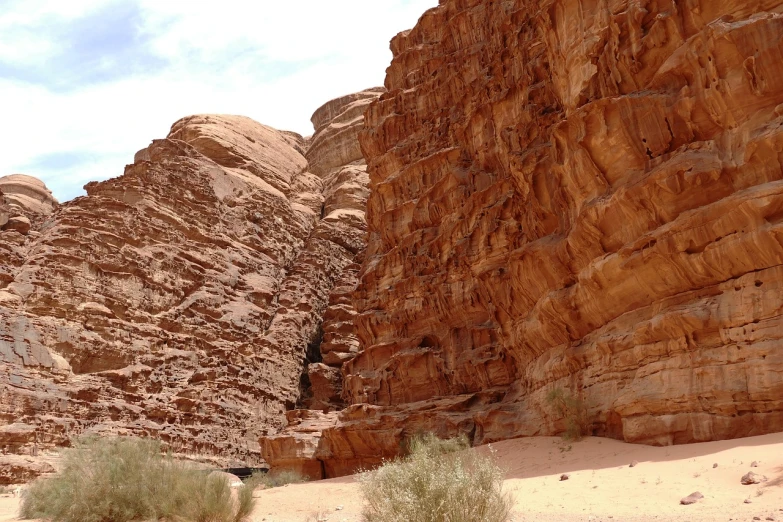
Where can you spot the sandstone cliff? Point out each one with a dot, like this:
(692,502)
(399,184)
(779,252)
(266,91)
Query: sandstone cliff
(556,194)
(583,195)
(335,155)
(179,300)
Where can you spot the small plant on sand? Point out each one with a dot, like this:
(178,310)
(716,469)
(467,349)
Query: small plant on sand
(438,481)
(124,479)
(317,516)
(275,480)
(573,410)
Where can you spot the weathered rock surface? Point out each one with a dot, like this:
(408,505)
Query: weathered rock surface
(576,195)
(183,299)
(750,478)
(19,224)
(335,155)
(25,204)
(16,469)
(562,194)
(27,195)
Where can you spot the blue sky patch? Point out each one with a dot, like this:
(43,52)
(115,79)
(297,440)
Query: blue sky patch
(103,46)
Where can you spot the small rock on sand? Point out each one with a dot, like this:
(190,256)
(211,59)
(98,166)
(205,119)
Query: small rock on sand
(692,498)
(634,464)
(715,465)
(752,478)
(565,476)
(754,464)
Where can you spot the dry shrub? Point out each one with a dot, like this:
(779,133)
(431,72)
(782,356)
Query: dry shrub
(275,480)
(124,479)
(573,410)
(436,482)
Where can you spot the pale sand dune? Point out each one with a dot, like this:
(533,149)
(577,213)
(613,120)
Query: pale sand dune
(601,487)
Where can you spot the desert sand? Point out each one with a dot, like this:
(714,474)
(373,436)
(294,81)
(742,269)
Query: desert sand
(602,486)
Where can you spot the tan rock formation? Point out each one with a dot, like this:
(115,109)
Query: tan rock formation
(27,195)
(573,196)
(178,301)
(25,203)
(333,154)
(561,195)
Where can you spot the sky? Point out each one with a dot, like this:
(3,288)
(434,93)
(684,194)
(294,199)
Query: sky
(84,84)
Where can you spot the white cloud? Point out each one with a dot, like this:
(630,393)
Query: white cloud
(275,62)
(22,20)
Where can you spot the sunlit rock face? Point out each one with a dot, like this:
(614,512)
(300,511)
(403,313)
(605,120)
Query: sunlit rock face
(178,301)
(27,195)
(25,204)
(585,196)
(335,156)
(555,194)
(576,195)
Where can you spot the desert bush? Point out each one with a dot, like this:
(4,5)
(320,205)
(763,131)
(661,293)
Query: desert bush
(430,445)
(275,480)
(124,479)
(436,482)
(573,410)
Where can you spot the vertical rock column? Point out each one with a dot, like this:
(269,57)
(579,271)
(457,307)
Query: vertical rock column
(322,279)
(325,274)
(25,203)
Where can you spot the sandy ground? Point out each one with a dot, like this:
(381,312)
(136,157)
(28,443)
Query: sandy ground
(601,485)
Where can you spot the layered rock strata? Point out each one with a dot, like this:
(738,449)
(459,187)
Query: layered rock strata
(574,195)
(184,299)
(335,155)
(27,195)
(25,203)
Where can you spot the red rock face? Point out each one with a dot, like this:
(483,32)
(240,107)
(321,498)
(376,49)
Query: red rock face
(25,203)
(576,195)
(583,196)
(178,301)
(562,194)
(335,155)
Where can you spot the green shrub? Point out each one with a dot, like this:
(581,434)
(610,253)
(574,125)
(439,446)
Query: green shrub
(275,480)
(430,445)
(573,410)
(436,482)
(123,479)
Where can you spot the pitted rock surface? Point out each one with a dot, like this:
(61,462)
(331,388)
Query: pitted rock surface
(178,301)
(28,195)
(549,194)
(575,195)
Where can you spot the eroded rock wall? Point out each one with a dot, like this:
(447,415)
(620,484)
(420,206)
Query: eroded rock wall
(590,199)
(577,195)
(178,300)
(338,241)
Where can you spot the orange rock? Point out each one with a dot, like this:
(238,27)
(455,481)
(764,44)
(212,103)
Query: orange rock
(559,196)
(178,301)
(27,194)
(572,197)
